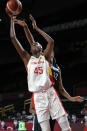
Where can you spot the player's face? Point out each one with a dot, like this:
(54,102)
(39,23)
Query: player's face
(36,48)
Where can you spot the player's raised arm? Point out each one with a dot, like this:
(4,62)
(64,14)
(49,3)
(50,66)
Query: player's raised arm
(28,34)
(23,54)
(49,40)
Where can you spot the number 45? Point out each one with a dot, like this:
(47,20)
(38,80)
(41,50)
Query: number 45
(38,70)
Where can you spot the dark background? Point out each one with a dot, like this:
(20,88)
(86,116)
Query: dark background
(66,22)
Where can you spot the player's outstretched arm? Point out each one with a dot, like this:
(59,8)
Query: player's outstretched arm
(65,93)
(49,40)
(23,54)
(28,34)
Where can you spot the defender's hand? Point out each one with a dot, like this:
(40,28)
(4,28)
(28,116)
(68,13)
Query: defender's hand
(77,99)
(20,22)
(33,21)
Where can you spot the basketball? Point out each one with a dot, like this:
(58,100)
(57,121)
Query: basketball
(13,7)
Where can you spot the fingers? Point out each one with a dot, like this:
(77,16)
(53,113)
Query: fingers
(81,99)
(31,17)
(13,17)
(16,21)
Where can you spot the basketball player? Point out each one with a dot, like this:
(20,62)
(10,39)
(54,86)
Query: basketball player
(40,81)
(58,81)
(56,72)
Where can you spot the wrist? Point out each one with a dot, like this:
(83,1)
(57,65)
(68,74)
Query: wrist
(25,25)
(36,27)
(71,98)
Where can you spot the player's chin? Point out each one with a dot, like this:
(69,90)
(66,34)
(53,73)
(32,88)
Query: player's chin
(37,50)
(34,52)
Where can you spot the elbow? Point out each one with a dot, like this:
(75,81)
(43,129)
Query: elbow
(52,42)
(61,90)
(12,37)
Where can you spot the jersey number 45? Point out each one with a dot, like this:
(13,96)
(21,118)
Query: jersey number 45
(38,70)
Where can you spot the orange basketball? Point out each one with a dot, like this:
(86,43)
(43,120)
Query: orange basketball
(13,7)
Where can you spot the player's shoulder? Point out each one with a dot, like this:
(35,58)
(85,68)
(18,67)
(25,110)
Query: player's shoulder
(55,67)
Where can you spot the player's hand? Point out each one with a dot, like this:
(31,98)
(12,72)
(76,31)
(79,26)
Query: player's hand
(10,15)
(33,21)
(20,22)
(77,99)
(12,18)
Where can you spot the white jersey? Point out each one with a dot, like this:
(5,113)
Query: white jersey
(38,74)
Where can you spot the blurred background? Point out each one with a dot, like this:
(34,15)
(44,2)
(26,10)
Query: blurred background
(66,22)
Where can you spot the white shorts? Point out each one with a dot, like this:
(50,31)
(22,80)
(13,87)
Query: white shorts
(47,103)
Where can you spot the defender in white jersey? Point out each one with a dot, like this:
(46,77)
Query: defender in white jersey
(40,81)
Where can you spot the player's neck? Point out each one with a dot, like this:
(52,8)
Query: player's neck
(36,55)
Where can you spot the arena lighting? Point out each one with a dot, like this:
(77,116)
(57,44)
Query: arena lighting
(66,26)
(0,20)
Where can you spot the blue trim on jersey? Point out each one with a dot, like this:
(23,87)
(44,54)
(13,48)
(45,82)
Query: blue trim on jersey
(55,73)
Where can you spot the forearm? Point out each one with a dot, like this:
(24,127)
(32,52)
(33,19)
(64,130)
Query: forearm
(50,44)
(46,36)
(65,94)
(62,90)
(15,42)
(28,34)
(12,30)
